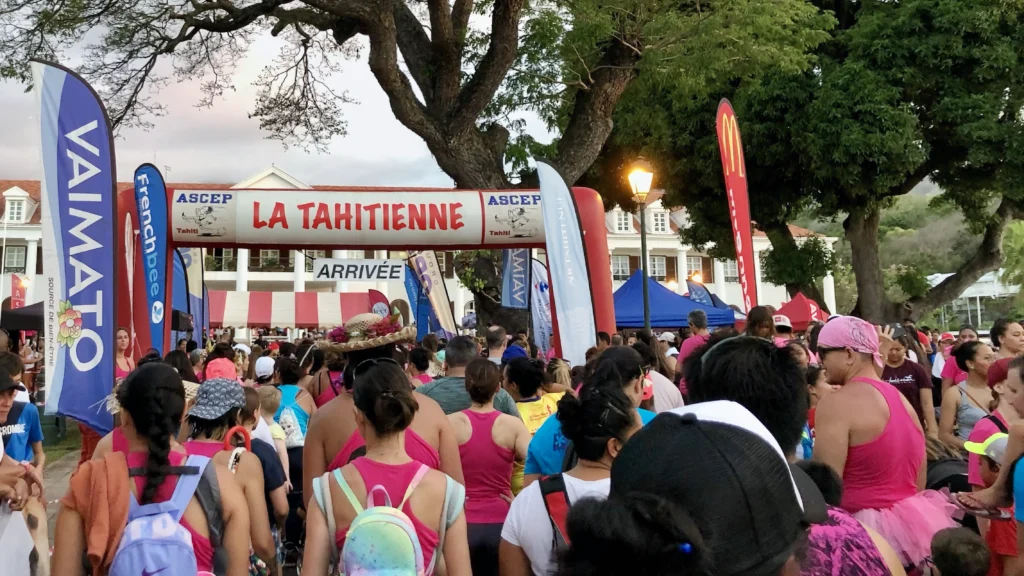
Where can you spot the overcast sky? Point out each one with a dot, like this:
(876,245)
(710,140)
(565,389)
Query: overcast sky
(222,145)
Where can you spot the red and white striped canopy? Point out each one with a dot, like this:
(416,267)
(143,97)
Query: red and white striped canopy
(284,309)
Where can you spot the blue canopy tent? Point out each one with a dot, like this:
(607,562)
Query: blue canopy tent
(668,309)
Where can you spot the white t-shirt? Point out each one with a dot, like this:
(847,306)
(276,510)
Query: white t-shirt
(528,526)
(262,431)
(21,396)
(666,394)
(15,542)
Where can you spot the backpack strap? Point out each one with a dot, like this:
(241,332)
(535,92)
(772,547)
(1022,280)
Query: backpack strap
(556,502)
(423,469)
(998,423)
(322,493)
(343,484)
(454,500)
(187,485)
(208,496)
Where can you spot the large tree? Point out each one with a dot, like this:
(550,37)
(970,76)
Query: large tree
(901,92)
(458,74)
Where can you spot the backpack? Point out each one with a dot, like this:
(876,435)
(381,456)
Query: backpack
(153,541)
(556,504)
(293,436)
(382,537)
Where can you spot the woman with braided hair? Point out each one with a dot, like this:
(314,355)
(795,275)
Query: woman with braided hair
(95,511)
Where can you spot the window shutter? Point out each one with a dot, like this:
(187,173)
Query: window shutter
(634,264)
(707,269)
(368,254)
(449,264)
(670,269)
(39,260)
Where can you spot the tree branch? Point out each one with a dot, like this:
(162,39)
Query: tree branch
(415,47)
(988,257)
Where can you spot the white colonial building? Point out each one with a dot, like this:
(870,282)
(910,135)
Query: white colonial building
(282,270)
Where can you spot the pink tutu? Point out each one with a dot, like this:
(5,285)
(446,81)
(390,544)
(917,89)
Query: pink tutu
(908,526)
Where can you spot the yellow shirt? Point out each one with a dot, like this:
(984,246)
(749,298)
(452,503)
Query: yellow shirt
(276,432)
(534,413)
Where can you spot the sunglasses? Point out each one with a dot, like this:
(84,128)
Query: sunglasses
(365,365)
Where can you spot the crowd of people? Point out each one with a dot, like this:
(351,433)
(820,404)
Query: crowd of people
(829,451)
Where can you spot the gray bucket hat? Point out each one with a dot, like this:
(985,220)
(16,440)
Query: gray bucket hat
(215,397)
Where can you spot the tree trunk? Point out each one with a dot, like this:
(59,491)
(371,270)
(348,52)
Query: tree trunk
(862,232)
(782,240)
(490,312)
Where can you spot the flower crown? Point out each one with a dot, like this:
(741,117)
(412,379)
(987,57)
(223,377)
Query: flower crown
(383,327)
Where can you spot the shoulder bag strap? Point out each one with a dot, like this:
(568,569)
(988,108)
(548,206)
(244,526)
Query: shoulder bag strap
(976,403)
(998,423)
(322,492)
(556,503)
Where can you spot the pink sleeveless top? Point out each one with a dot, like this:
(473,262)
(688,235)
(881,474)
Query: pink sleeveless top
(487,468)
(208,449)
(120,372)
(884,471)
(200,544)
(329,390)
(415,446)
(395,479)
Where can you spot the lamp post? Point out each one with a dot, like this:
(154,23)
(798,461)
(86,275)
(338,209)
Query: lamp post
(641,175)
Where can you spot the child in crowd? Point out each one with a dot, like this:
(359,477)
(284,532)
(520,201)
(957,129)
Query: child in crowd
(1001,535)
(270,401)
(959,552)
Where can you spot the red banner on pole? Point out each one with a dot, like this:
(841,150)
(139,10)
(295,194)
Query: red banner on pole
(730,145)
(17,292)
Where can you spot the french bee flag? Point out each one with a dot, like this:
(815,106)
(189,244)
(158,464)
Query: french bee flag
(78,214)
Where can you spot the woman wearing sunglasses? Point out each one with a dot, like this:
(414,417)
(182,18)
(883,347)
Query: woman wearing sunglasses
(385,406)
(334,438)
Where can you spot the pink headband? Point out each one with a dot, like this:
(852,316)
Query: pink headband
(850,332)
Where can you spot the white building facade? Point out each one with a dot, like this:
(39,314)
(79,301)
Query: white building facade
(284,270)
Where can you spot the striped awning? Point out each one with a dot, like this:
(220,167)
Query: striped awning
(284,309)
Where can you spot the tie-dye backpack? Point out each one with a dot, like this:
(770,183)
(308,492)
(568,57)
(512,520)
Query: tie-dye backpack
(381,538)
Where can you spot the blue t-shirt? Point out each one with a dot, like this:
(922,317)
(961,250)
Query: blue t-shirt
(21,430)
(1018,491)
(547,449)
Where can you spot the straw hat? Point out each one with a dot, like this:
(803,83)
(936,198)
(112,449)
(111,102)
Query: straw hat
(369,330)
(113,406)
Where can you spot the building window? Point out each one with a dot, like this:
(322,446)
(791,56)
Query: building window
(623,222)
(14,259)
(658,268)
(693,264)
(442,263)
(15,211)
(221,260)
(620,267)
(312,255)
(730,270)
(660,222)
(270,261)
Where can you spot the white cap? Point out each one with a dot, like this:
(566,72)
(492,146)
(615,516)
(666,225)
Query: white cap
(243,348)
(667,337)
(782,320)
(264,366)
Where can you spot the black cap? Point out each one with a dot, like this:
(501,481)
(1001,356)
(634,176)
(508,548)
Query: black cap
(8,383)
(720,464)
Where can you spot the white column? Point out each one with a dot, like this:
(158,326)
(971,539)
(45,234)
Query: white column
(30,270)
(341,285)
(719,278)
(458,294)
(757,276)
(299,269)
(242,270)
(830,292)
(681,272)
(382,287)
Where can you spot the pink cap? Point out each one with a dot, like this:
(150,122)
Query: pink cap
(221,368)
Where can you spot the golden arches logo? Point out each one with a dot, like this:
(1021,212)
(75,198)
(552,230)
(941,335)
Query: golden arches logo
(731,145)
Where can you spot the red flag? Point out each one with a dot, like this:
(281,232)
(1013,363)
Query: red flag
(730,145)
(17,292)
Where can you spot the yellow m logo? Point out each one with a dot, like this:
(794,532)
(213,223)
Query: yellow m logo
(732,145)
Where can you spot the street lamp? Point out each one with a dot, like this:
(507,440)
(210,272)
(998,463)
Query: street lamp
(641,175)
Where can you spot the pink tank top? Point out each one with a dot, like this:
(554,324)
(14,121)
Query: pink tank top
(329,389)
(119,372)
(395,479)
(487,468)
(415,446)
(200,544)
(208,449)
(118,442)
(884,471)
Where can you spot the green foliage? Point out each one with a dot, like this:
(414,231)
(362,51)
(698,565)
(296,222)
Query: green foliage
(811,260)
(1013,247)
(912,281)
(468,268)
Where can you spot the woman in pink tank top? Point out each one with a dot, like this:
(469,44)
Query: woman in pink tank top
(152,399)
(385,407)
(489,442)
(869,433)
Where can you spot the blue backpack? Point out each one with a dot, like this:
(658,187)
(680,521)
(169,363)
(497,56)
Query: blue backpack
(154,543)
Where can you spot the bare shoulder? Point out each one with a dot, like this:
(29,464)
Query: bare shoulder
(428,405)
(511,423)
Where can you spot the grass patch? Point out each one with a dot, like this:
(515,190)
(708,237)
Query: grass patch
(72,442)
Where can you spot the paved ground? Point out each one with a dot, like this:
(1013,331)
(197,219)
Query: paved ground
(56,477)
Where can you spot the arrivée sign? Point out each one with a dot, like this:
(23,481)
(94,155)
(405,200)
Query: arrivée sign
(359,270)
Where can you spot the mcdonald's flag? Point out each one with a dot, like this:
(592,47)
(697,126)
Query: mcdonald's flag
(730,145)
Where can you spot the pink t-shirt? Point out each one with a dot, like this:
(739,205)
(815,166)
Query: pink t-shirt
(424,378)
(983,429)
(951,370)
(685,350)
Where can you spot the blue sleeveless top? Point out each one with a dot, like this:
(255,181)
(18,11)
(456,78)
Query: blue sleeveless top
(289,393)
